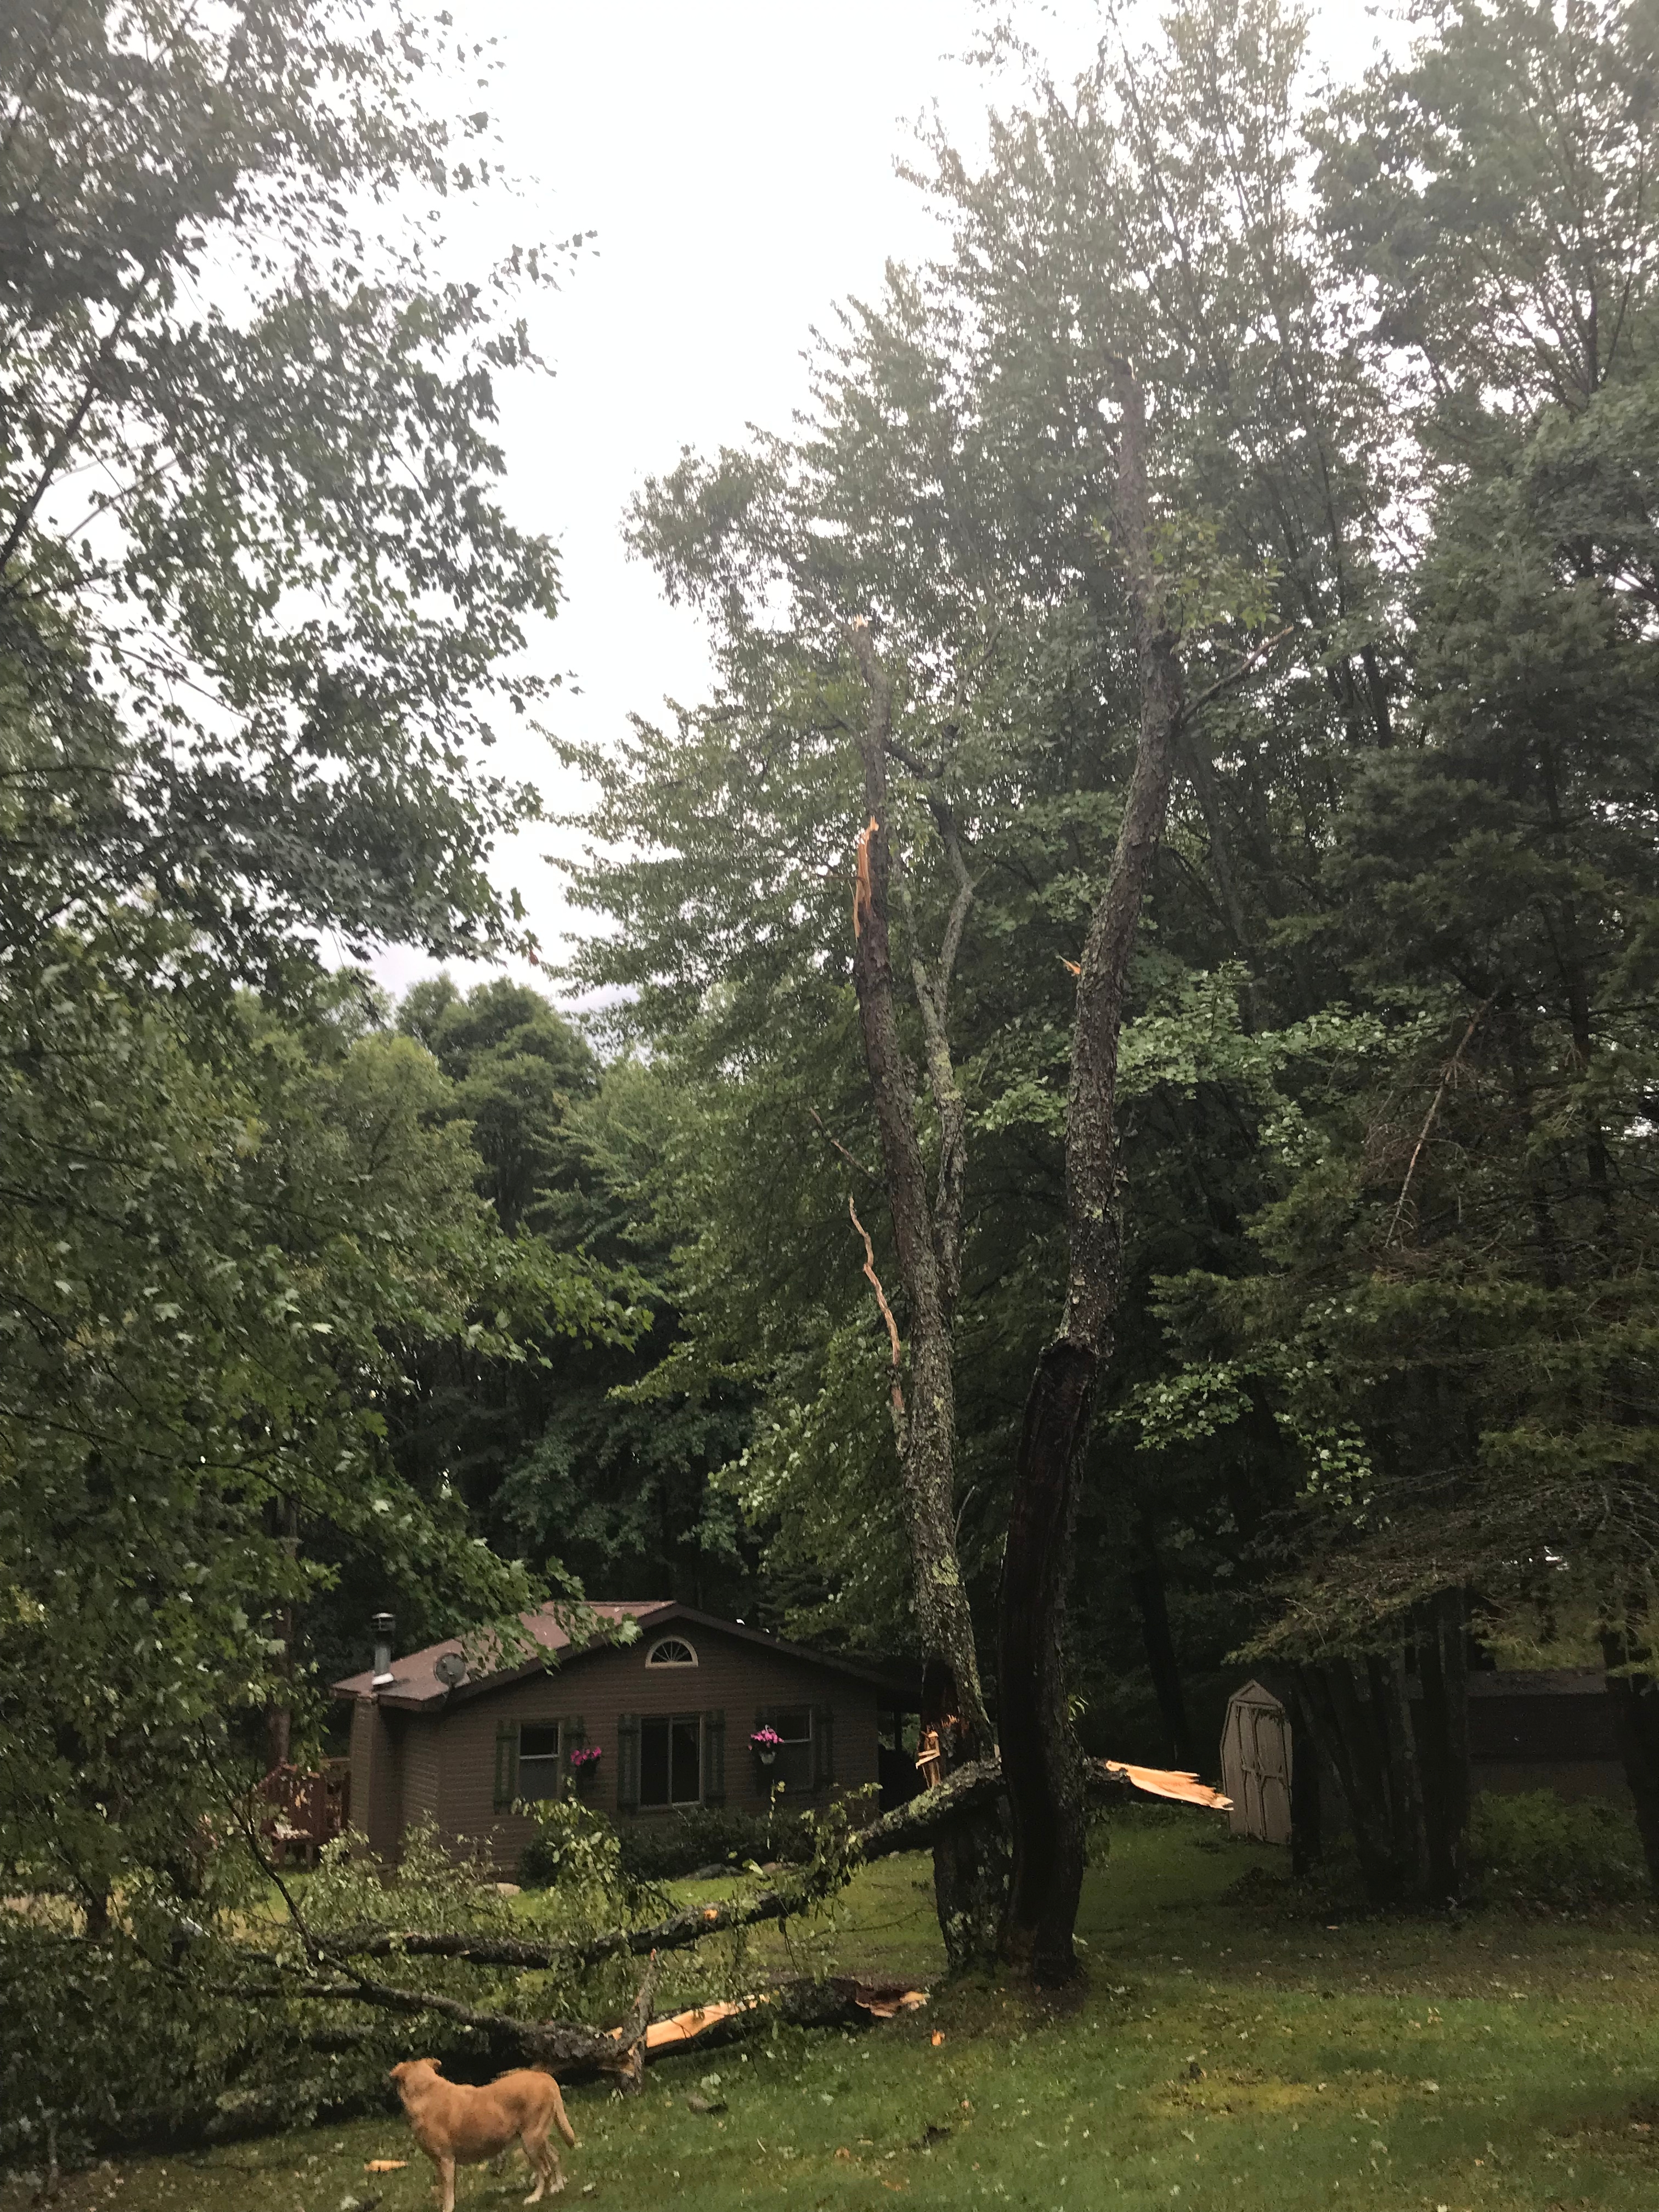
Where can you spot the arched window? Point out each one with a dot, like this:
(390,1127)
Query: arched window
(671,1651)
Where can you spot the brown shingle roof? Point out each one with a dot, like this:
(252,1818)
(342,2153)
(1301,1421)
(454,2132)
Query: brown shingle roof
(415,1682)
(415,1679)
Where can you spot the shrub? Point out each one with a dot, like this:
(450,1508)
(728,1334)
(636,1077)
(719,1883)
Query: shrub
(577,1851)
(1538,1846)
(708,1835)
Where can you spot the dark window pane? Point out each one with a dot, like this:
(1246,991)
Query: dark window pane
(538,1760)
(687,1764)
(653,1762)
(793,1764)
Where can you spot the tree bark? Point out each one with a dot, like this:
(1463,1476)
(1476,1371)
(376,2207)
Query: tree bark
(1147,1583)
(1406,1781)
(279,1715)
(970,1861)
(1343,1726)
(1635,1698)
(1442,1646)
(1306,1812)
(1040,1754)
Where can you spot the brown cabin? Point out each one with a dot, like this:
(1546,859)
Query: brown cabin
(638,1731)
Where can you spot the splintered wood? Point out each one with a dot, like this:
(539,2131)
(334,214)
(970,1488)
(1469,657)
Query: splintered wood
(1167,1782)
(881,2000)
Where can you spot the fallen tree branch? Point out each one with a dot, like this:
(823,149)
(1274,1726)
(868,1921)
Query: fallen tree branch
(908,1827)
(574,2051)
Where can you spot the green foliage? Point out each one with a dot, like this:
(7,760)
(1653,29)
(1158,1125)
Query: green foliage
(1537,1848)
(578,1854)
(292,568)
(1388,1082)
(711,1835)
(554,1454)
(147,2033)
(240,697)
(211,1260)
(1499,2036)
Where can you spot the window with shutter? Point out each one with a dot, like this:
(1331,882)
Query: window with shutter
(628,1763)
(541,1770)
(792,1763)
(506,1765)
(713,1758)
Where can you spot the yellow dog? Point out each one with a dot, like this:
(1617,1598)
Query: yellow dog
(454,2124)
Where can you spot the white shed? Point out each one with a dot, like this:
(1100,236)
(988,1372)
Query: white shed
(1257,1765)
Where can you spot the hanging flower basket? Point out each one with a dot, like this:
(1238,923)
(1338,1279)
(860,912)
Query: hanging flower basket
(764,1744)
(585,1763)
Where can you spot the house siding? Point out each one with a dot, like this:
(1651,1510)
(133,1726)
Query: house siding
(456,1754)
(376,1776)
(421,1769)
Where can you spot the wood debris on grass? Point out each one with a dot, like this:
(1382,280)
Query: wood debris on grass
(881,2000)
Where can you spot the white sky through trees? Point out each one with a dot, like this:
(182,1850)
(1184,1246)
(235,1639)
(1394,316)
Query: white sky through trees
(736,159)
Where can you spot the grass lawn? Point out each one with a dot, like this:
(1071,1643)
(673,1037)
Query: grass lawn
(1226,2056)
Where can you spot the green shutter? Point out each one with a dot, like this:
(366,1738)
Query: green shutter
(572,1736)
(628,1763)
(506,1765)
(713,1758)
(823,1745)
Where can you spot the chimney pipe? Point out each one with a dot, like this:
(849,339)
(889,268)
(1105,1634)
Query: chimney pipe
(383,1625)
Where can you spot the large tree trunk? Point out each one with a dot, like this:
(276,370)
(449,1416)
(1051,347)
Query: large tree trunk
(279,1715)
(1406,1780)
(1341,1717)
(1152,1600)
(1040,1755)
(1307,1811)
(970,1863)
(1635,1698)
(1444,1664)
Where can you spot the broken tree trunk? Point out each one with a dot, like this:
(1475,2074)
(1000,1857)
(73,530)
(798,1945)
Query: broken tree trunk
(1040,1754)
(971,1859)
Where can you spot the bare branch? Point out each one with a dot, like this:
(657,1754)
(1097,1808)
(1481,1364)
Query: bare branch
(874,1279)
(1450,1071)
(836,1146)
(1247,666)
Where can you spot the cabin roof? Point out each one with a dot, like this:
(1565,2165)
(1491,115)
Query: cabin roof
(415,1687)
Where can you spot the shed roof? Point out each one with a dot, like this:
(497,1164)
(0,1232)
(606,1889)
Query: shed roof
(415,1686)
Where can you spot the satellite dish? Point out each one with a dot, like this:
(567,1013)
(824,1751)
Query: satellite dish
(451,1669)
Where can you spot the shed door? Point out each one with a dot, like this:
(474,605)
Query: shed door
(1255,1759)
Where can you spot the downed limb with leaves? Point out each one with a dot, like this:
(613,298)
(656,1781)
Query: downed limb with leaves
(331,1971)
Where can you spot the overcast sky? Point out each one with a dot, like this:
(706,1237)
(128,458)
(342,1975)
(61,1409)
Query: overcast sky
(736,160)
